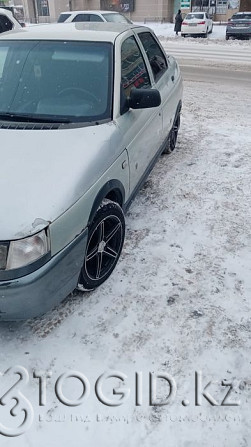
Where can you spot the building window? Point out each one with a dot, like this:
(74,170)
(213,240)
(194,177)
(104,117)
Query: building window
(43,8)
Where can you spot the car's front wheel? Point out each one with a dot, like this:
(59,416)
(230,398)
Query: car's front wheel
(104,245)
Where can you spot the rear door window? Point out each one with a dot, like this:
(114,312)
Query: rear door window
(154,53)
(95,18)
(62,18)
(82,18)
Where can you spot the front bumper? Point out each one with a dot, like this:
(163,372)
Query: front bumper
(36,293)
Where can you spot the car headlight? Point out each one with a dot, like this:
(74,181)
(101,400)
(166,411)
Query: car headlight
(26,251)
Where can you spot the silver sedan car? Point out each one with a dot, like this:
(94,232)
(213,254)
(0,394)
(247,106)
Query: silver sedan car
(85,111)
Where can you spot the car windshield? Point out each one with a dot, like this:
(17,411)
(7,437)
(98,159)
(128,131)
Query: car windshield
(194,16)
(55,81)
(117,18)
(241,17)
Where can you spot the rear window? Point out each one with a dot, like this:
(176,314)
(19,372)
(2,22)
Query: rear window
(62,18)
(117,18)
(241,17)
(194,16)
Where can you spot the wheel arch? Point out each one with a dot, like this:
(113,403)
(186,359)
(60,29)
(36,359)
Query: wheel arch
(113,190)
(179,107)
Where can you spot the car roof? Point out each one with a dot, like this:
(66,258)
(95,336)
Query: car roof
(6,12)
(90,31)
(90,12)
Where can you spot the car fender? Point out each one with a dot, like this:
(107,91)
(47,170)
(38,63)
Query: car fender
(78,217)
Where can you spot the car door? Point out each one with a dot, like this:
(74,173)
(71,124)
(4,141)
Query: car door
(141,129)
(165,75)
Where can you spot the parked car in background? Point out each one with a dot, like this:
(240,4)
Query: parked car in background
(7,21)
(239,26)
(197,24)
(85,112)
(17,12)
(92,16)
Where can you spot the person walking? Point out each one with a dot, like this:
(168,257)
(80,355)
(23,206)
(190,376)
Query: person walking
(178,22)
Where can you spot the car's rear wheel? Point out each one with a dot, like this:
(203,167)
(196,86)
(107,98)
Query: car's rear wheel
(104,245)
(173,134)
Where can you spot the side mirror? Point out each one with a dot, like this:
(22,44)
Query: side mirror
(144,98)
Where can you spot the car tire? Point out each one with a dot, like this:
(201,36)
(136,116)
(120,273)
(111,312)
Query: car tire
(173,134)
(227,37)
(104,245)
(205,35)
(211,29)
(183,35)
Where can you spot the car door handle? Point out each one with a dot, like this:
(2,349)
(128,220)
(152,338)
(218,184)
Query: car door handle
(172,77)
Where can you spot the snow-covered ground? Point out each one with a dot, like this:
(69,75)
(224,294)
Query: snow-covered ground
(178,302)
(167,30)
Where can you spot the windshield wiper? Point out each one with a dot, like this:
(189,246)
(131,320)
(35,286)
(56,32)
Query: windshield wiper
(31,118)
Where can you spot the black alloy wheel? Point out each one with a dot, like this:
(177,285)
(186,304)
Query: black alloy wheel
(104,245)
(172,139)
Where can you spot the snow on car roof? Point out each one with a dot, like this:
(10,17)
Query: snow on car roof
(92,31)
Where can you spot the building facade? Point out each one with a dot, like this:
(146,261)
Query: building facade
(36,11)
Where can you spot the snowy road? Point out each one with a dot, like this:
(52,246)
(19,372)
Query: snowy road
(178,301)
(221,54)
(206,61)
(220,75)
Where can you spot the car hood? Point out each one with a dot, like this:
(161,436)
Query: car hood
(44,172)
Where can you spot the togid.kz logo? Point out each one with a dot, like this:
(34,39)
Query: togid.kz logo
(21,405)
(20,411)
